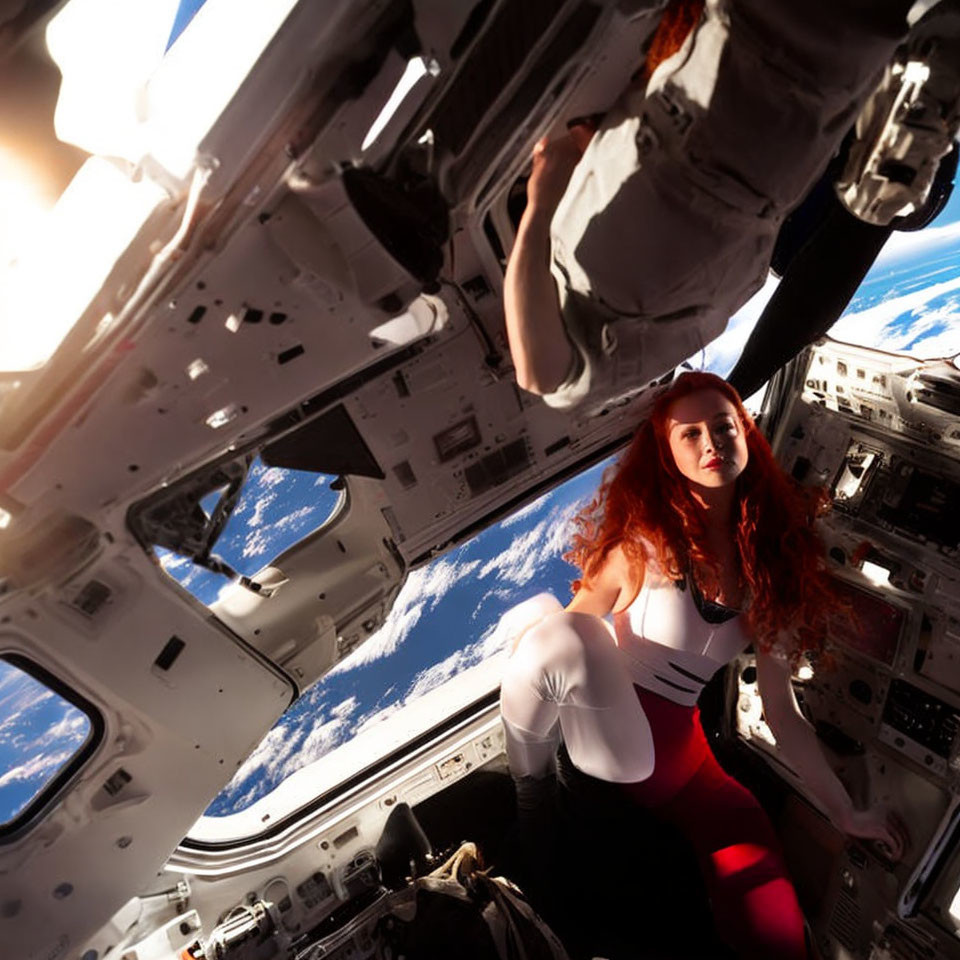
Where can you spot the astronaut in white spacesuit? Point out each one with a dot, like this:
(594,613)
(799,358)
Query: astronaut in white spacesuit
(633,256)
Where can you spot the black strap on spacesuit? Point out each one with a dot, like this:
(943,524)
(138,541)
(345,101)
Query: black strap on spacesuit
(814,291)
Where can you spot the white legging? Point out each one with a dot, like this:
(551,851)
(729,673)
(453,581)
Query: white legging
(568,677)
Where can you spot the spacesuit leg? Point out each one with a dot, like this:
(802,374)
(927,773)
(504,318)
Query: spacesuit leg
(669,220)
(567,677)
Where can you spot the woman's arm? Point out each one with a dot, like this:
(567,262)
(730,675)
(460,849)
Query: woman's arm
(801,748)
(541,351)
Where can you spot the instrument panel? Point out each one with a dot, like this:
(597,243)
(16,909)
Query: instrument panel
(885,702)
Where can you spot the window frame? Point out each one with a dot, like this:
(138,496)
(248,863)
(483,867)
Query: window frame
(43,801)
(414,747)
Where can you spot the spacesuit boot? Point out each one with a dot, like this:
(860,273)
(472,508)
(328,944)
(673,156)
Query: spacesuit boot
(907,126)
(897,174)
(717,160)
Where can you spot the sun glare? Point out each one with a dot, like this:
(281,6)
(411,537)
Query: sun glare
(125,94)
(58,270)
(23,205)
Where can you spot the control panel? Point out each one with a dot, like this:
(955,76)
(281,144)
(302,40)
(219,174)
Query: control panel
(885,701)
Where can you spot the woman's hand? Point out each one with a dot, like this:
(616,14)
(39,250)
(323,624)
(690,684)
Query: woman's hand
(553,163)
(882,825)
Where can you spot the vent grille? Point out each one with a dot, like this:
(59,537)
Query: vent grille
(497,467)
(405,475)
(492,64)
(845,922)
(117,781)
(92,597)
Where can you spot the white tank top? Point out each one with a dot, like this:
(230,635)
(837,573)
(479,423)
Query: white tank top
(669,645)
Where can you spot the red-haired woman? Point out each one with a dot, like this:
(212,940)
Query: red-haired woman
(699,545)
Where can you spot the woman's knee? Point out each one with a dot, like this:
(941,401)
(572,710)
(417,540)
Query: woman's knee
(564,642)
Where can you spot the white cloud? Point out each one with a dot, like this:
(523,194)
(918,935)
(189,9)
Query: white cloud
(10,676)
(344,709)
(497,593)
(171,561)
(262,537)
(244,800)
(23,696)
(438,674)
(902,246)
(8,728)
(256,543)
(522,561)
(282,751)
(376,717)
(272,477)
(403,617)
(35,767)
(74,726)
(320,741)
(874,326)
(259,507)
(193,573)
(421,592)
(264,476)
(493,641)
(441,575)
(268,755)
(295,518)
(527,511)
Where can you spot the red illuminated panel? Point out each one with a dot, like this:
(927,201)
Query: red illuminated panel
(878,624)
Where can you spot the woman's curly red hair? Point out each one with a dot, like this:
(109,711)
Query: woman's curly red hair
(645,506)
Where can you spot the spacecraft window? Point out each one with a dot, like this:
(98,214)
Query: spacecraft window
(47,732)
(439,650)
(275,509)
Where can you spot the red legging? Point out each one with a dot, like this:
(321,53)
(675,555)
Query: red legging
(755,907)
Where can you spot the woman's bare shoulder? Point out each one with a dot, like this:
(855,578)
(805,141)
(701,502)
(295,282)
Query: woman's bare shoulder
(619,579)
(611,589)
(627,574)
